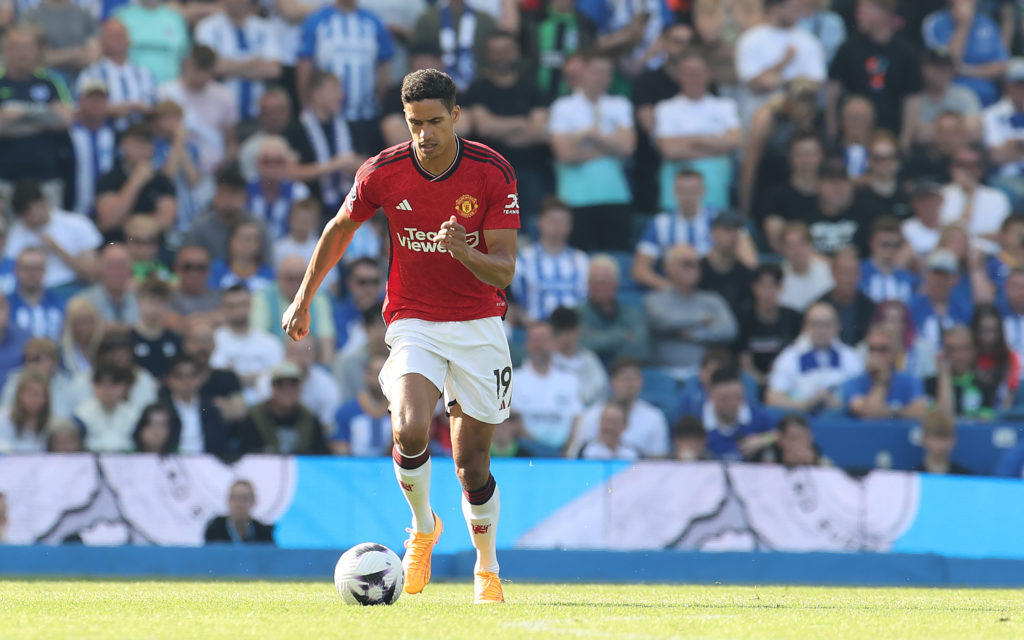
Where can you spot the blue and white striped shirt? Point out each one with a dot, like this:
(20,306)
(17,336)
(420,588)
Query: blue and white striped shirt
(898,284)
(544,282)
(350,45)
(125,83)
(669,229)
(43,320)
(274,214)
(253,40)
(95,152)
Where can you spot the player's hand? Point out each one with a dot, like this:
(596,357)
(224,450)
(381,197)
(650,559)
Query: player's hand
(295,322)
(453,236)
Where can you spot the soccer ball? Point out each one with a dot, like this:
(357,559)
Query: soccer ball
(369,573)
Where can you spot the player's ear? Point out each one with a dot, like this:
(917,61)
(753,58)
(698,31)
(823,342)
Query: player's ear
(456,110)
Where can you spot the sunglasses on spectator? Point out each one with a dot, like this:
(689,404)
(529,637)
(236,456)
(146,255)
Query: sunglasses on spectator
(193,266)
(36,357)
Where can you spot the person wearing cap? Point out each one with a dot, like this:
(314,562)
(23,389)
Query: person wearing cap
(923,229)
(728,268)
(134,186)
(281,425)
(966,200)
(95,145)
(131,87)
(882,392)
(696,130)
(876,64)
(973,40)
(935,309)
(1004,135)
(938,95)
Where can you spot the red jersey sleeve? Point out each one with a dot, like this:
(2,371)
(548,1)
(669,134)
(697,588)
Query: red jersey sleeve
(362,201)
(502,203)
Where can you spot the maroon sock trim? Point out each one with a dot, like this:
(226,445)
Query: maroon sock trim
(483,494)
(409,463)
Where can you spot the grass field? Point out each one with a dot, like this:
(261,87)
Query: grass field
(49,610)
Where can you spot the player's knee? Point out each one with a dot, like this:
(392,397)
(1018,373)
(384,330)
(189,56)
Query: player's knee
(474,475)
(411,431)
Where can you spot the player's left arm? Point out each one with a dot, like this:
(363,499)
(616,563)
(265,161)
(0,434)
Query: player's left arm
(497,267)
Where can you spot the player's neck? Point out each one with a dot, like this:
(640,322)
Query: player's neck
(440,164)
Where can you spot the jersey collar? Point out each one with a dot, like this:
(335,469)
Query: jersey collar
(444,174)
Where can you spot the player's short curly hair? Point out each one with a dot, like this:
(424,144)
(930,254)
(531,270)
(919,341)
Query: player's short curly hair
(429,84)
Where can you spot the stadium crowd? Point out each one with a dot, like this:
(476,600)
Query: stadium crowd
(738,214)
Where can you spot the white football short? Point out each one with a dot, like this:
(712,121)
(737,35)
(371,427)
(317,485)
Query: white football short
(469,360)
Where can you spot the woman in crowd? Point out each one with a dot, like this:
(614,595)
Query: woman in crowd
(80,336)
(157,431)
(23,428)
(244,263)
(998,369)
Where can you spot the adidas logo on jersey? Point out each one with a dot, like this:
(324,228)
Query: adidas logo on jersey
(426,241)
(404,206)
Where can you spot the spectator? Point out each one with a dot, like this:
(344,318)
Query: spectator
(717,27)
(157,431)
(805,276)
(281,425)
(241,347)
(69,36)
(273,116)
(696,130)
(363,424)
(1013,311)
(555,34)
(935,310)
(880,278)
(923,229)
(353,44)
(93,140)
(510,116)
(646,430)
(938,95)
(302,236)
(771,153)
(882,391)
(23,429)
(570,356)
(79,336)
(213,228)
(324,142)
(954,387)
(506,442)
(550,273)
(107,417)
(825,25)
(219,386)
(211,112)
(192,296)
(67,240)
(938,439)
(772,53)
(808,374)
(364,284)
(796,199)
(131,87)
(856,124)
(765,327)
(33,308)
(918,355)
(64,437)
(629,32)
(876,64)
(177,157)
(158,36)
(350,362)
(247,52)
(998,368)
(591,134)
(547,397)
(851,304)
(272,195)
(735,428)
(134,186)
(695,388)
(1011,252)
(35,112)
(609,327)
(114,350)
(269,303)
(143,238)
(12,342)
(966,200)
(154,345)
(727,268)
(933,160)
(244,261)
(690,440)
(835,224)
(684,320)
(608,444)
(239,527)
(320,392)
(41,360)
(202,427)
(882,190)
(460,33)
(112,294)
(973,40)
(794,445)
(1004,135)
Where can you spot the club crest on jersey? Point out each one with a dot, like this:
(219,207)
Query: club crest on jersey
(466,205)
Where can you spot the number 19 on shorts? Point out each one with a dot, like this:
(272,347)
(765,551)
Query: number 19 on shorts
(502,381)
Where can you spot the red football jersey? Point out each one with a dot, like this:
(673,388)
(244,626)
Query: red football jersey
(424,280)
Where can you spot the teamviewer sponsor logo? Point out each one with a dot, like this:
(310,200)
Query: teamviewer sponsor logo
(413,239)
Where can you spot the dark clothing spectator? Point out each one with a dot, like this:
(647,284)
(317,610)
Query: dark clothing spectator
(155,355)
(297,432)
(854,318)
(159,186)
(954,469)
(221,530)
(733,285)
(765,339)
(885,74)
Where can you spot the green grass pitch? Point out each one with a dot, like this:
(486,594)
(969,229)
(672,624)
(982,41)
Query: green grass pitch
(54,609)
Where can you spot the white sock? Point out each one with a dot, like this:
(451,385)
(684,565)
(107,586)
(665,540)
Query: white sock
(483,529)
(415,484)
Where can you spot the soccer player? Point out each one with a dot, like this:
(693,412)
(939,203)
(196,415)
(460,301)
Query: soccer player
(453,212)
